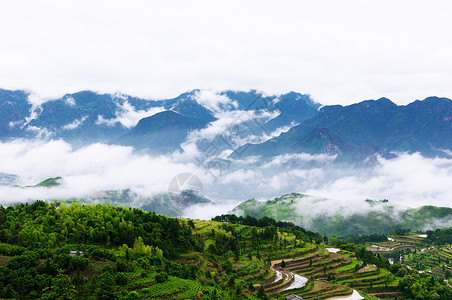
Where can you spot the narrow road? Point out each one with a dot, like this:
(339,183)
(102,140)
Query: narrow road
(295,281)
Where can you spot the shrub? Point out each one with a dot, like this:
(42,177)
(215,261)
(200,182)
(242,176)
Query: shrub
(161,277)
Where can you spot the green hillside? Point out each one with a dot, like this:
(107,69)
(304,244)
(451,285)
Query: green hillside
(49,182)
(379,217)
(59,251)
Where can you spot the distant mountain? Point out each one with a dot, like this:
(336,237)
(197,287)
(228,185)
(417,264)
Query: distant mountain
(7,179)
(186,105)
(14,109)
(377,217)
(258,124)
(169,204)
(293,107)
(48,182)
(161,133)
(75,118)
(87,117)
(366,128)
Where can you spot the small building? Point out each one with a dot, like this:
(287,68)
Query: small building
(293,297)
(74,253)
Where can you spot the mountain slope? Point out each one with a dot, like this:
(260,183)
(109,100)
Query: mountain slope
(161,133)
(369,127)
(74,118)
(14,109)
(377,217)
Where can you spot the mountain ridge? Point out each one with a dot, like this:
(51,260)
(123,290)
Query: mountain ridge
(354,133)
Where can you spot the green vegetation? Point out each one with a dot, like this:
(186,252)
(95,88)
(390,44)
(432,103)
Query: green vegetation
(50,182)
(60,251)
(426,253)
(380,217)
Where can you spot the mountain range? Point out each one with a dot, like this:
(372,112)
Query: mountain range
(259,125)
(357,131)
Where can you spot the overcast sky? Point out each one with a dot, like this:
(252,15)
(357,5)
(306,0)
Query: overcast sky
(337,51)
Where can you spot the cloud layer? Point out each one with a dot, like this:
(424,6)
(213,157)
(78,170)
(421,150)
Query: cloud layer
(408,181)
(339,51)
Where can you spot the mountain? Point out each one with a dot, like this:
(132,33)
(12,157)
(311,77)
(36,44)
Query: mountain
(186,105)
(258,124)
(14,109)
(75,118)
(378,217)
(168,204)
(7,179)
(161,133)
(370,127)
(295,108)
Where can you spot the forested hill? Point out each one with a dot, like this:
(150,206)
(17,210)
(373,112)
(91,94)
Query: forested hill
(59,251)
(41,225)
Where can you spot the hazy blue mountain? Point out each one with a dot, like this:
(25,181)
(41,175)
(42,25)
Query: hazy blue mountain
(186,105)
(7,179)
(366,128)
(353,133)
(14,109)
(161,133)
(74,118)
(294,107)
(169,204)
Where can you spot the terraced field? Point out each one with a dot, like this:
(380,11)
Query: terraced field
(330,275)
(417,253)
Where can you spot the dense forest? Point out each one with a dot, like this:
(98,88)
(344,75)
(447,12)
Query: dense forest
(59,251)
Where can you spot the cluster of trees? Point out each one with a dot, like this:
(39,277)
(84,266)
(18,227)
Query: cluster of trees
(420,286)
(362,239)
(36,241)
(365,255)
(298,231)
(43,225)
(440,236)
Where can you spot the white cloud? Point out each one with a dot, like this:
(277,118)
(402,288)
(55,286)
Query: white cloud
(338,51)
(75,124)
(94,168)
(214,101)
(39,132)
(109,122)
(282,159)
(226,126)
(128,116)
(407,181)
(70,101)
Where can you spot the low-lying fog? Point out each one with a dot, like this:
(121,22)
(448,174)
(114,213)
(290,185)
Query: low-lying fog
(407,181)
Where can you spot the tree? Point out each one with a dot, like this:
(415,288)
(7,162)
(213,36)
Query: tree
(61,289)
(283,264)
(105,288)
(161,277)
(261,293)
(191,224)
